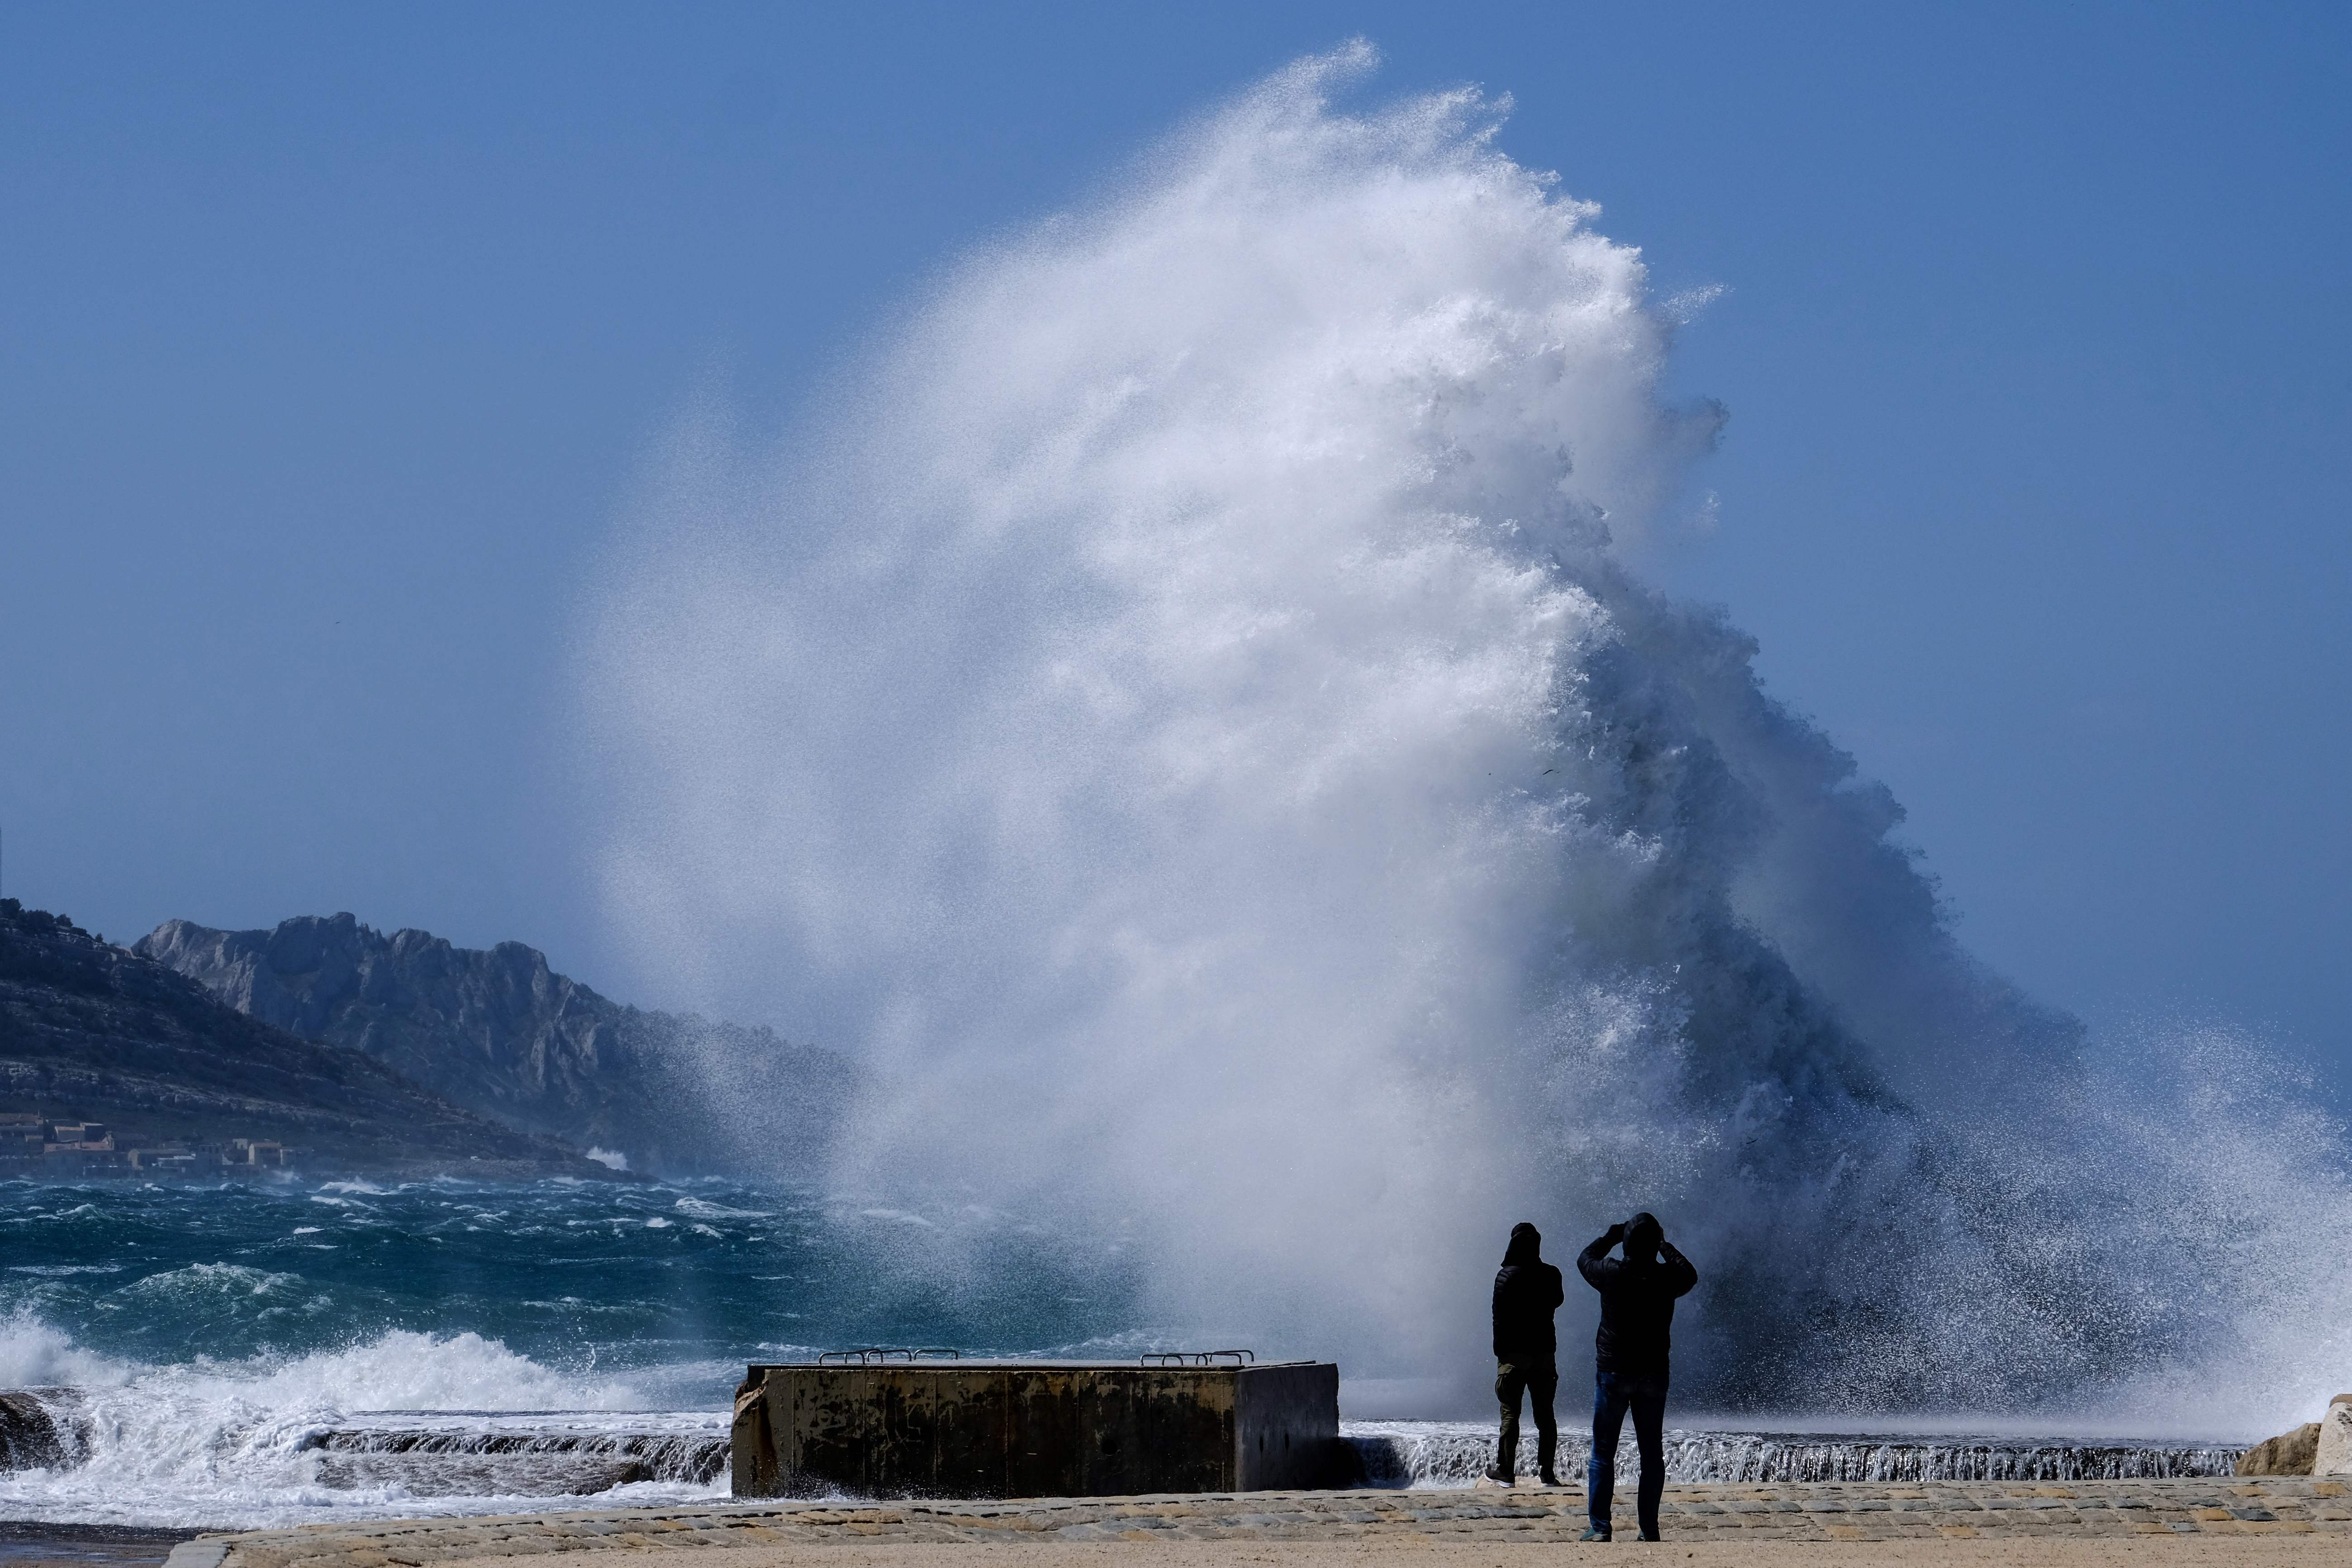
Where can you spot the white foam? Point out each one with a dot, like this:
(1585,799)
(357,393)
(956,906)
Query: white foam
(35,1356)
(702,1208)
(1186,709)
(1438,1454)
(222,1443)
(64,1270)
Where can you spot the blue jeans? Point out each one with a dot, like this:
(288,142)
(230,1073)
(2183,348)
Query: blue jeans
(1614,1394)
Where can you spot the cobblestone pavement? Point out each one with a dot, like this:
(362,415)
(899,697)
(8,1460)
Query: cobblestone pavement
(1820,1511)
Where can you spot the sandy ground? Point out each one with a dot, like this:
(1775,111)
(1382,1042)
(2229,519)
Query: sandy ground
(2139,1552)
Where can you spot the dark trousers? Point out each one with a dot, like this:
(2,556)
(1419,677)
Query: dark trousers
(1535,1377)
(1614,1394)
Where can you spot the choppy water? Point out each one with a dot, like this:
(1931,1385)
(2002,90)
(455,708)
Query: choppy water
(241,1354)
(288,1352)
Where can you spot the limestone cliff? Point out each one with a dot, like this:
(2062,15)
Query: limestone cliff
(94,1031)
(501,1033)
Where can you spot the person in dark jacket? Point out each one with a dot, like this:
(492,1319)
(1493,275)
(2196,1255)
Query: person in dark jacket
(1526,1292)
(1638,1292)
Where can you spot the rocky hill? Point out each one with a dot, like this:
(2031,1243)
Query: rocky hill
(501,1033)
(102,1033)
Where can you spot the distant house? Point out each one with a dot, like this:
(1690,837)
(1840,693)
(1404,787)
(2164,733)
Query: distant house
(23,1135)
(82,1136)
(35,1144)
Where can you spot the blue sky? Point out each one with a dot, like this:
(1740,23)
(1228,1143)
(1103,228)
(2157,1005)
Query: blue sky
(331,339)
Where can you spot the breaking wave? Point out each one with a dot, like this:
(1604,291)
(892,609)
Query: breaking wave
(1447,1454)
(290,1439)
(1186,708)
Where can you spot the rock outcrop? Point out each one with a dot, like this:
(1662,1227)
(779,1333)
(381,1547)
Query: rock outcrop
(2321,1447)
(30,1435)
(2331,1454)
(2288,1454)
(499,1032)
(96,1031)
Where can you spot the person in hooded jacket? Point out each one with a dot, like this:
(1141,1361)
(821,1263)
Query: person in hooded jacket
(1638,1292)
(1526,1292)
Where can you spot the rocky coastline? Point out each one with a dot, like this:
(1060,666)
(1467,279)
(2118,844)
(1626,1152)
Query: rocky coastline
(92,1033)
(499,1031)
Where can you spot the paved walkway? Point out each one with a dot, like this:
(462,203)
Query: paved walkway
(1823,1512)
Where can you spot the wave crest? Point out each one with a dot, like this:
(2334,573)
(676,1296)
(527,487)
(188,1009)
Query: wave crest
(1184,708)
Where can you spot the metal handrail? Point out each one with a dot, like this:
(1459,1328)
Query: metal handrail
(868,1354)
(1195,1358)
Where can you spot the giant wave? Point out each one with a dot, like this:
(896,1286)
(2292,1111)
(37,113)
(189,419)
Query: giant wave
(1184,705)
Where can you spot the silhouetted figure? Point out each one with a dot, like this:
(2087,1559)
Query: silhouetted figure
(1527,1292)
(1637,1315)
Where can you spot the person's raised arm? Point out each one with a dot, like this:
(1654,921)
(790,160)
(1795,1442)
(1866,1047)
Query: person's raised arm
(1679,1272)
(1593,1261)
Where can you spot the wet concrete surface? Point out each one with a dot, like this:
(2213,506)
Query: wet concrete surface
(26,1545)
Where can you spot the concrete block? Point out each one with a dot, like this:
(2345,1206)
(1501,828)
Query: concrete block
(1002,1428)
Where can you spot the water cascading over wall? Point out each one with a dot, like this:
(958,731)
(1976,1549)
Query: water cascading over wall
(1183,708)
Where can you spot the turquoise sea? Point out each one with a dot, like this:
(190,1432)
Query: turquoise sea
(235,1354)
(289,1350)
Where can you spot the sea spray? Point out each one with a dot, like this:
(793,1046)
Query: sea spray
(498,1349)
(266,1439)
(221,1353)
(1456,1453)
(1181,708)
